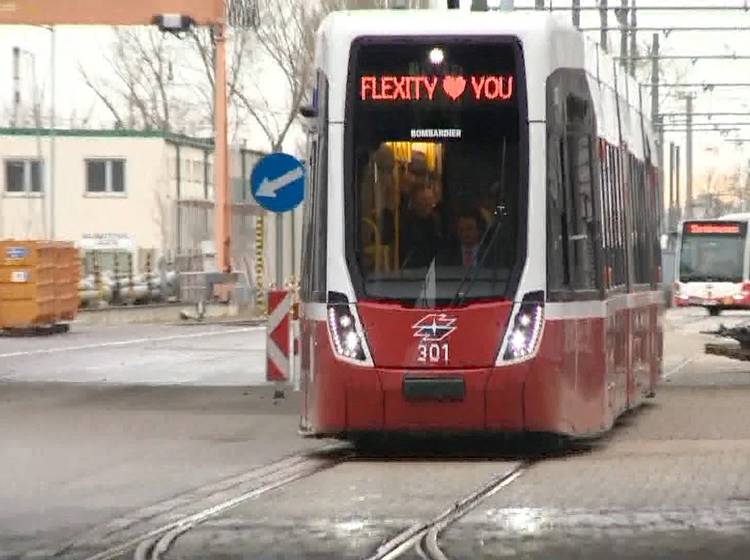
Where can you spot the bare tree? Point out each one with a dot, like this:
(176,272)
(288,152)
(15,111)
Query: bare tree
(138,88)
(158,82)
(203,43)
(286,34)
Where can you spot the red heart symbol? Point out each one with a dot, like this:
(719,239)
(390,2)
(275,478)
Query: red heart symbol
(454,86)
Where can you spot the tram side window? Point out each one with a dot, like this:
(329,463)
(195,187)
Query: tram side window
(582,232)
(558,258)
(608,225)
(605,211)
(316,203)
(644,205)
(619,274)
(558,268)
(307,219)
(655,223)
(572,230)
(640,222)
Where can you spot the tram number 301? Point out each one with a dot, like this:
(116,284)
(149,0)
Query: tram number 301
(432,352)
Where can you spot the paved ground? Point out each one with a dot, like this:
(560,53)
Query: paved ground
(672,481)
(75,456)
(139,354)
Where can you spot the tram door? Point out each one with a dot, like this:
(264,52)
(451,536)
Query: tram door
(313,335)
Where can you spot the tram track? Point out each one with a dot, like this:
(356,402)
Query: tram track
(423,537)
(147,534)
(157,543)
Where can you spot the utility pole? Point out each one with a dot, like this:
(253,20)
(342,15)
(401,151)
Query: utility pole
(576,13)
(655,80)
(655,118)
(279,251)
(16,85)
(623,17)
(603,18)
(678,195)
(671,187)
(222,201)
(689,155)
(633,39)
(52,132)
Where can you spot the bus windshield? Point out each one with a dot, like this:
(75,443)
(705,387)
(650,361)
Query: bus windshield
(712,252)
(436,169)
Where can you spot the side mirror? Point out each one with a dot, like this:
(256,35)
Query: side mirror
(308,111)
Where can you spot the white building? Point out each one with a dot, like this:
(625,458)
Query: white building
(142,192)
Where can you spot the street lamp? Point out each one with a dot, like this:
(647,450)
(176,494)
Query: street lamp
(52,130)
(17,52)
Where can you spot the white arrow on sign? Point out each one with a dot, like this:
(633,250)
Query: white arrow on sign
(268,188)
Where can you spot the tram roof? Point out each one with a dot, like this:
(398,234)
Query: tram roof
(552,42)
(430,22)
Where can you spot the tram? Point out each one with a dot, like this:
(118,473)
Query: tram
(480,240)
(712,269)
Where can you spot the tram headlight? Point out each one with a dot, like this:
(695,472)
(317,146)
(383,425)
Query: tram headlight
(345,336)
(436,55)
(523,338)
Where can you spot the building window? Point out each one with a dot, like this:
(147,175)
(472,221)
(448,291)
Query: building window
(105,176)
(23,176)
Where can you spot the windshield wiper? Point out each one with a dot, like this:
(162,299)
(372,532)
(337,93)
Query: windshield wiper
(484,249)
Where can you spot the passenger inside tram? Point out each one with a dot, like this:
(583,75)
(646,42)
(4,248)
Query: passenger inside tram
(465,250)
(419,228)
(437,213)
(409,220)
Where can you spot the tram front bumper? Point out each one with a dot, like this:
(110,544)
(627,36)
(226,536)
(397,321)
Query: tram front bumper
(436,400)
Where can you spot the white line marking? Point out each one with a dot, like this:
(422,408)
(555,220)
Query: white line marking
(127,342)
(681,366)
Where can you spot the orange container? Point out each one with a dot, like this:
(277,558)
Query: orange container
(38,283)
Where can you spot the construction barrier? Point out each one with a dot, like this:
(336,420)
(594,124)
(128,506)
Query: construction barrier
(277,335)
(38,283)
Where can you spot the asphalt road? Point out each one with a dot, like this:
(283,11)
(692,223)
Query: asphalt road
(139,354)
(84,463)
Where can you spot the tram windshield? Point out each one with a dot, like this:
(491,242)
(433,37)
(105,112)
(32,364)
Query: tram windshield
(437,170)
(712,252)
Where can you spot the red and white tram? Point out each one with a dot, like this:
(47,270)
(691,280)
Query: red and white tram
(481,231)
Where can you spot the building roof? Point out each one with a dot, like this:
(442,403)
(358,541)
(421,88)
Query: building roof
(181,139)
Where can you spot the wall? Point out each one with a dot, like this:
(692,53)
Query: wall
(142,211)
(148,212)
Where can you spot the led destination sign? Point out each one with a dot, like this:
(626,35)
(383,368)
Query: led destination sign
(713,228)
(419,88)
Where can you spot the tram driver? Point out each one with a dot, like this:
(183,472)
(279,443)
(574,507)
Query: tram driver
(419,228)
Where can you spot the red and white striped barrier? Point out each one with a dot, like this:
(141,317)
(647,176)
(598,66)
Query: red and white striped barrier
(277,335)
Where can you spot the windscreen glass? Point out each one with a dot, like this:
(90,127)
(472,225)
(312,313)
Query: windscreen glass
(438,179)
(712,252)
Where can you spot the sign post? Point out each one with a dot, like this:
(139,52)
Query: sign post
(278,185)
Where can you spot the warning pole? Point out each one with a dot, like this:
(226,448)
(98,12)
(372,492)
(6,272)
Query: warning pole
(221,168)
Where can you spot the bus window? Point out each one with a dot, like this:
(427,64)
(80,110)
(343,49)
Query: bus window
(712,252)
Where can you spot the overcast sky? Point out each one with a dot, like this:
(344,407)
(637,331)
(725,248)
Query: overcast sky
(86,46)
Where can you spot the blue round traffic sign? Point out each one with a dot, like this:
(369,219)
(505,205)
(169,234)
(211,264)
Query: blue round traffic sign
(278,182)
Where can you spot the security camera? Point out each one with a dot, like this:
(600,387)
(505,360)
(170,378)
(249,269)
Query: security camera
(173,23)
